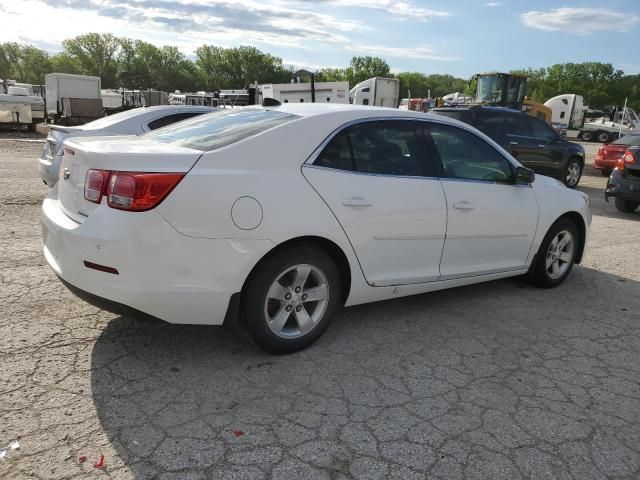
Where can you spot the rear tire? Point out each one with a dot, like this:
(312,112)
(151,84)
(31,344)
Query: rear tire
(572,173)
(556,255)
(626,206)
(280,315)
(603,137)
(587,136)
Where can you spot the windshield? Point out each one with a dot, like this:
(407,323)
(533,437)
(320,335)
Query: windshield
(633,140)
(218,129)
(489,89)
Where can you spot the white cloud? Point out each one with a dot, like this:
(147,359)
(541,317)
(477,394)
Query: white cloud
(185,23)
(492,4)
(581,21)
(396,9)
(423,52)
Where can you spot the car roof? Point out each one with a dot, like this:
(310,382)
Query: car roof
(137,114)
(313,109)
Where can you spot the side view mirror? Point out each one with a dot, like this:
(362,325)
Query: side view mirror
(524,176)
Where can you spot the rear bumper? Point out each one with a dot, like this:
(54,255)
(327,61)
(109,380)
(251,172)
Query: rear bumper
(602,164)
(161,273)
(620,186)
(48,169)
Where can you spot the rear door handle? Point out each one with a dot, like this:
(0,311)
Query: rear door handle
(356,202)
(513,143)
(464,205)
(541,146)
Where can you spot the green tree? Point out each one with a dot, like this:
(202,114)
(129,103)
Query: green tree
(23,63)
(237,67)
(63,63)
(362,68)
(177,72)
(139,64)
(96,54)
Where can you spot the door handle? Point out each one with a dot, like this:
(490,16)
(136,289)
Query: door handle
(464,205)
(356,202)
(541,146)
(513,143)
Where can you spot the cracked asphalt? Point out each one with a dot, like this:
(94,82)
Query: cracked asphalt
(494,381)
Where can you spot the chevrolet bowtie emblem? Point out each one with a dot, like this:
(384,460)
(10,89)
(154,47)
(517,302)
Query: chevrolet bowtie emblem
(66,173)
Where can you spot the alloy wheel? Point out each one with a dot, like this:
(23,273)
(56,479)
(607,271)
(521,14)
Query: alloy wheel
(296,301)
(573,174)
(560,254)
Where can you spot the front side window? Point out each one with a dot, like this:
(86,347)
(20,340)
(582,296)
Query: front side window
(385,148)
(219,129)
(466,156)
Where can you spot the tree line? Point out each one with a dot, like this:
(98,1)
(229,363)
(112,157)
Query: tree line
(129,63)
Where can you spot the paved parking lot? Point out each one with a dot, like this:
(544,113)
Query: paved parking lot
(500,380)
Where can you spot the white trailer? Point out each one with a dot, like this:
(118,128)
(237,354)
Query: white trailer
(19,105)
(376,91)
(73,99)
(325,92)
(567,109)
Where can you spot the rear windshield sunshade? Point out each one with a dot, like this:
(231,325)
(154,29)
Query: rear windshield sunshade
(219,129)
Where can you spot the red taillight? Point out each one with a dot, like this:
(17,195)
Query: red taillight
(627,159)
(95,184)
(602,151)
(138,192)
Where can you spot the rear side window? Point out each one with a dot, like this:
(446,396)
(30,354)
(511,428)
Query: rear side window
(385,148)
(541,130)
(466,156)
(169,119)
(515,124)
(219,129)
(492,126)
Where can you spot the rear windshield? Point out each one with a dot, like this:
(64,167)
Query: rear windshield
(633,140)
(218,129)
(110,120)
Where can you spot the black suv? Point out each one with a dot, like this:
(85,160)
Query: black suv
(534,143)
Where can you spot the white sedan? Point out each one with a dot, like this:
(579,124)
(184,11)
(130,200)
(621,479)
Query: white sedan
(279,216)
(131,122)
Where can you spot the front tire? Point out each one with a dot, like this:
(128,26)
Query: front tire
(292,298)
(626,206)
(556,254)
(572,173)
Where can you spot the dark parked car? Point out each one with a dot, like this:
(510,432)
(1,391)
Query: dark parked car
(533,142)
(624,182)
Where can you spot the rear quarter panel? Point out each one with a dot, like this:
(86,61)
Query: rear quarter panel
(267,168)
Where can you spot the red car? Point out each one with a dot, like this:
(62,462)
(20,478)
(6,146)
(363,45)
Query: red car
(609,153)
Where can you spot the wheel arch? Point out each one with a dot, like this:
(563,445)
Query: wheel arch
(328,246)
(576,218)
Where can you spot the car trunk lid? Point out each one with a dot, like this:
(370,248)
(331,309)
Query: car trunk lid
(125,154)
(611,151)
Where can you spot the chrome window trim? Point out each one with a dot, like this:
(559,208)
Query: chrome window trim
(316,152)
(353,172)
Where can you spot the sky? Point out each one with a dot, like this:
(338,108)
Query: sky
(459,37)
